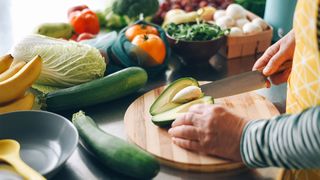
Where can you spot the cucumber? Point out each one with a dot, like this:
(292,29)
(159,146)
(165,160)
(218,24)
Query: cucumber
(164,101)
(166,118)
(114,152)
(105,89)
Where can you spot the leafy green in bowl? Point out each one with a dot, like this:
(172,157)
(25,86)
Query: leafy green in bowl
(195,43)
(195,32)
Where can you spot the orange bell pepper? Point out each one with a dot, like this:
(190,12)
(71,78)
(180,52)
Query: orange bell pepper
(84,20)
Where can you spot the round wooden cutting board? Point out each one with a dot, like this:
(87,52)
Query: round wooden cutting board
(157,141)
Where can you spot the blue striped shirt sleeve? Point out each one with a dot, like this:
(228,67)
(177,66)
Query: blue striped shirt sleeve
(288,141)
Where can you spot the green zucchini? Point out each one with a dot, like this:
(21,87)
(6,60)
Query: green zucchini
(164,101)
(105,89)
(114,152)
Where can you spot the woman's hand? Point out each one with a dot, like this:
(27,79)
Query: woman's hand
(275,56)
(210,129)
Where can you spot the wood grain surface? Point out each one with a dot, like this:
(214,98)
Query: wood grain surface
(141,131)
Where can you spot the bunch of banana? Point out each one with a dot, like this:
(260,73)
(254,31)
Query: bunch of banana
(15,79)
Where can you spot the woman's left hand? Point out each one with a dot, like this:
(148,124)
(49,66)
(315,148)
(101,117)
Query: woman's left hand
(210,129)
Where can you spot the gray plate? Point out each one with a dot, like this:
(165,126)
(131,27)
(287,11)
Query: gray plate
(47,140)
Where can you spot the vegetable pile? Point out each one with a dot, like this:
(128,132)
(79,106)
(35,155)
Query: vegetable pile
(195,32)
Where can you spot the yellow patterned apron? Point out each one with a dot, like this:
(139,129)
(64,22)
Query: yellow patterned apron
(304,81)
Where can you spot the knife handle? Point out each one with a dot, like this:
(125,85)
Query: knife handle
(283,67)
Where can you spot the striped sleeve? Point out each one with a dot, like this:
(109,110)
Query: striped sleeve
(288,141)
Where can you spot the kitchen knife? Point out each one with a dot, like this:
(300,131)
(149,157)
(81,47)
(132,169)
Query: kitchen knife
(237,84)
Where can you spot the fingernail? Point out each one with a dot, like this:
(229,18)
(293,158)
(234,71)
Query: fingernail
(170,130)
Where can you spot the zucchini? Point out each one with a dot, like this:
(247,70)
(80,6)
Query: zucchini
(105,89)
(114,152)
(164,101)
(166,118)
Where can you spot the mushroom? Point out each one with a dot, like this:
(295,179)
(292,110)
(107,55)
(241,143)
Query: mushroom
(225,22)
(260,22)
(241,22)
(235,31)
(236,11)
(251,28)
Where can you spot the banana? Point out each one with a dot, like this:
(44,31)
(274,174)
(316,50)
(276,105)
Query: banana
(15,87)
(24,103)
(12,70)
(5,62)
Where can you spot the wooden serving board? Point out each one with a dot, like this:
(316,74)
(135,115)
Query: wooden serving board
(157,141)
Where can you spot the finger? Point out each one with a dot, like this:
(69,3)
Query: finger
(274,63)
(185,132)
(265,58)
(187,144)
(280,77)
(185,119)
(197,108)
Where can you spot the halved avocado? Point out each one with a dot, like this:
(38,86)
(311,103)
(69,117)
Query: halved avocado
(163,102)
(166,118)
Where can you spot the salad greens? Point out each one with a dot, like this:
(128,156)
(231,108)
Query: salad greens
(199,31)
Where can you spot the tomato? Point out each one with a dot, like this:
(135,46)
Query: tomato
(151,44)
(137,29)
(84,21)
(85,36)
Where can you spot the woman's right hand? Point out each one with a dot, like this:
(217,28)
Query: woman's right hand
(275,56)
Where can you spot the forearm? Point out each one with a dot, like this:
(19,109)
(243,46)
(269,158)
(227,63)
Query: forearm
(289,141)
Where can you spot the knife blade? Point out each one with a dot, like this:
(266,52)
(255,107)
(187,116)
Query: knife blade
(241,83)
(237,84)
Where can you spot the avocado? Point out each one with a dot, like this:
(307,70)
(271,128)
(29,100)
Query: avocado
(166,118)
(164,101)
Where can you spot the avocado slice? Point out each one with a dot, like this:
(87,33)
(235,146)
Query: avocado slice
(166,118)
(163,102)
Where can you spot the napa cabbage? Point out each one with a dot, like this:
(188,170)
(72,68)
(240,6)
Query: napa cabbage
(65,63)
